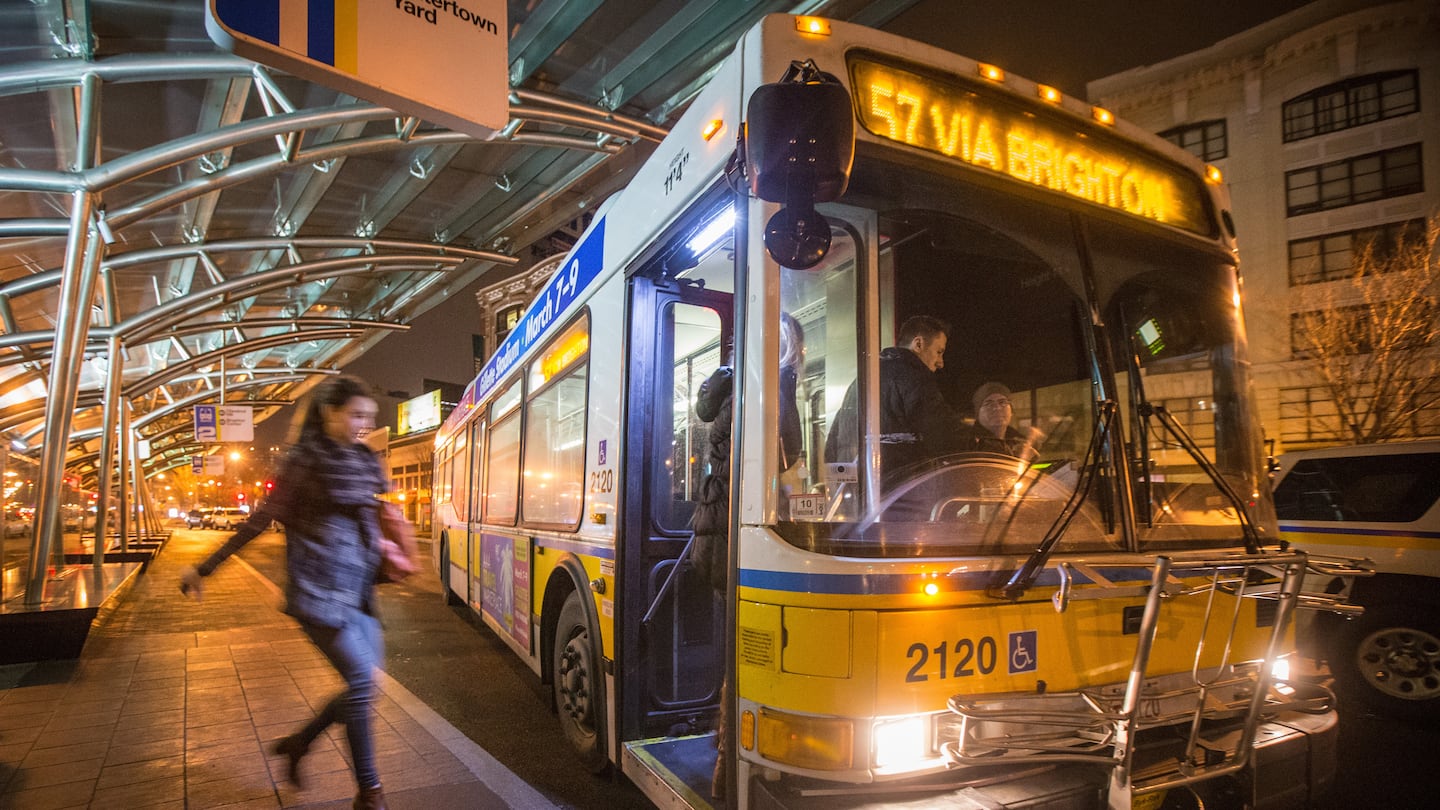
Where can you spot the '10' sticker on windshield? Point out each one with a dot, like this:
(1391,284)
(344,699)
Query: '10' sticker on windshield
(1023,656)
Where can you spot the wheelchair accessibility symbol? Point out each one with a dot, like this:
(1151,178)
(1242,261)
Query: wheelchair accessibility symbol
(1022,652)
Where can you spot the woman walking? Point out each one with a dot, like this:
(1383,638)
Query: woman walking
(326,495)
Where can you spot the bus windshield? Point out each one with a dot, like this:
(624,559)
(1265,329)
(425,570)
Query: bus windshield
(1005,436)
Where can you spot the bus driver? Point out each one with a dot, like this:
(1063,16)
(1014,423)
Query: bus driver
(916,423)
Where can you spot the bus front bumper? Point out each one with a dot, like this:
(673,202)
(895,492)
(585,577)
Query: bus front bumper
(1293,763)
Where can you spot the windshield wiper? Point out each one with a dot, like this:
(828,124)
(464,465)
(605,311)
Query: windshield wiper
(1167,421)
(1025,576)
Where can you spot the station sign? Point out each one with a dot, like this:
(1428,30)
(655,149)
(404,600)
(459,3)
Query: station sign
(582,267)
(443,60)
(224,423)
(207,465)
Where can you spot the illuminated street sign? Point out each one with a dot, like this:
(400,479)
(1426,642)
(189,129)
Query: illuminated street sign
(442,60)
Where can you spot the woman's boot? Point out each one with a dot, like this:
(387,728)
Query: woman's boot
(371,798)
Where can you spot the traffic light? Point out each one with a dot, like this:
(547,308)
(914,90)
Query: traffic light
(269,485)
(240,496)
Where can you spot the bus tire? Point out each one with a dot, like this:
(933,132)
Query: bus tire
(576,683)
(1388,660)
(451,598)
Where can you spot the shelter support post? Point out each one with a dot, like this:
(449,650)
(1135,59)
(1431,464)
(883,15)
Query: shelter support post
(72,328)
(105,464)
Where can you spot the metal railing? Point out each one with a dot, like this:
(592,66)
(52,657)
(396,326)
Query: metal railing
(1221,703)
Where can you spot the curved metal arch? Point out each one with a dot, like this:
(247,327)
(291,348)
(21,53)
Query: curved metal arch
(202,396)
(20,413)
(141,326)
(132,258)
(170,372)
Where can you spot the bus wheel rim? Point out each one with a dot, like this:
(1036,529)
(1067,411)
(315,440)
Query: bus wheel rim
(1401,662)
(575,680)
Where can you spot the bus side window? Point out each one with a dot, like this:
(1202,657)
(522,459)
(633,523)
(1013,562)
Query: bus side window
(553,482)
(820,342)
(460,476)
(502,462)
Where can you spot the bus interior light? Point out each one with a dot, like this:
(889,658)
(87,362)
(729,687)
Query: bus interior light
(991,72)
(813,25)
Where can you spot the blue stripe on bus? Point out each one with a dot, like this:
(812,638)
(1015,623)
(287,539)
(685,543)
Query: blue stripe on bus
(320,29)
(876,584)
(1347,529)
(884,584)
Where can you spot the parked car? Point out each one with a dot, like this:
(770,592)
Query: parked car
(195,518)
(17,524)
(226,517)
(1380,501)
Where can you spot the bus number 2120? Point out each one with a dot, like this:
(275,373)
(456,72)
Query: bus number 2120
(602,481)
(967,656)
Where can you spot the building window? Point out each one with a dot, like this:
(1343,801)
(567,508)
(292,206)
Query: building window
(1376,176)
(1331,257)
(1308,415)
(1350,103)
(506,320)
(1205,140)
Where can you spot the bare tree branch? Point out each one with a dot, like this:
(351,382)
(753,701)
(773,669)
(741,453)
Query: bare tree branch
(1374,338)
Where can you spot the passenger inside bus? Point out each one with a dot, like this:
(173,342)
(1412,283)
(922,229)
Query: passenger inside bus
(993,431)
(794,471)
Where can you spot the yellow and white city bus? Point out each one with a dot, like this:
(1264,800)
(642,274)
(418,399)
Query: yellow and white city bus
(1099,624)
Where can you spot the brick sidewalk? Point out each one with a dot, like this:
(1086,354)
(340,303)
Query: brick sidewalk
(175,704)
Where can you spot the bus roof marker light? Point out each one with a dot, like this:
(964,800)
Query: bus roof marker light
(712,129)
(1213,174)
(813,25)
(1103,115)
(991,72)
(1049,93)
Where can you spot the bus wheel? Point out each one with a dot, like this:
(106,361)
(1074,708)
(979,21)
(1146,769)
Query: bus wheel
(1388,660)
(451,598)
(576,680)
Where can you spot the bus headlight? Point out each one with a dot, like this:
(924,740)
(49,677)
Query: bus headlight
(902,745)
(815,743)
(1280,670)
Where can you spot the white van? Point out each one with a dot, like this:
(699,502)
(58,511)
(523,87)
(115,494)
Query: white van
(1380,501)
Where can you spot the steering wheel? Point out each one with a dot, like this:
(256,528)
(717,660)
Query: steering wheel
(927,490)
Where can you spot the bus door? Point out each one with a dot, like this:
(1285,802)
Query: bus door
(671,621)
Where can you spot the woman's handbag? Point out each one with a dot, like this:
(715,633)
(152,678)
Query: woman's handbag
(397,545)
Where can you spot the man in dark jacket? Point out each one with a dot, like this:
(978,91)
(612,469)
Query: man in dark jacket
(992,431)
(916,423)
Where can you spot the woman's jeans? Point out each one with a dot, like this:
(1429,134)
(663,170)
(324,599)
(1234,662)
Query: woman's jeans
(356,650)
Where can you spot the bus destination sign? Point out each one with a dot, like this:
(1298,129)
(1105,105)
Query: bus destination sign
(961,123)
(580,270)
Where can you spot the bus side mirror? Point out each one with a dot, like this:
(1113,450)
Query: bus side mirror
(799,146)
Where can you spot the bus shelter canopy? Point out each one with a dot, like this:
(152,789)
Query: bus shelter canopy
(180,226)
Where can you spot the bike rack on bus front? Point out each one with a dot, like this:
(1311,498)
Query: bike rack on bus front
(1100,726)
